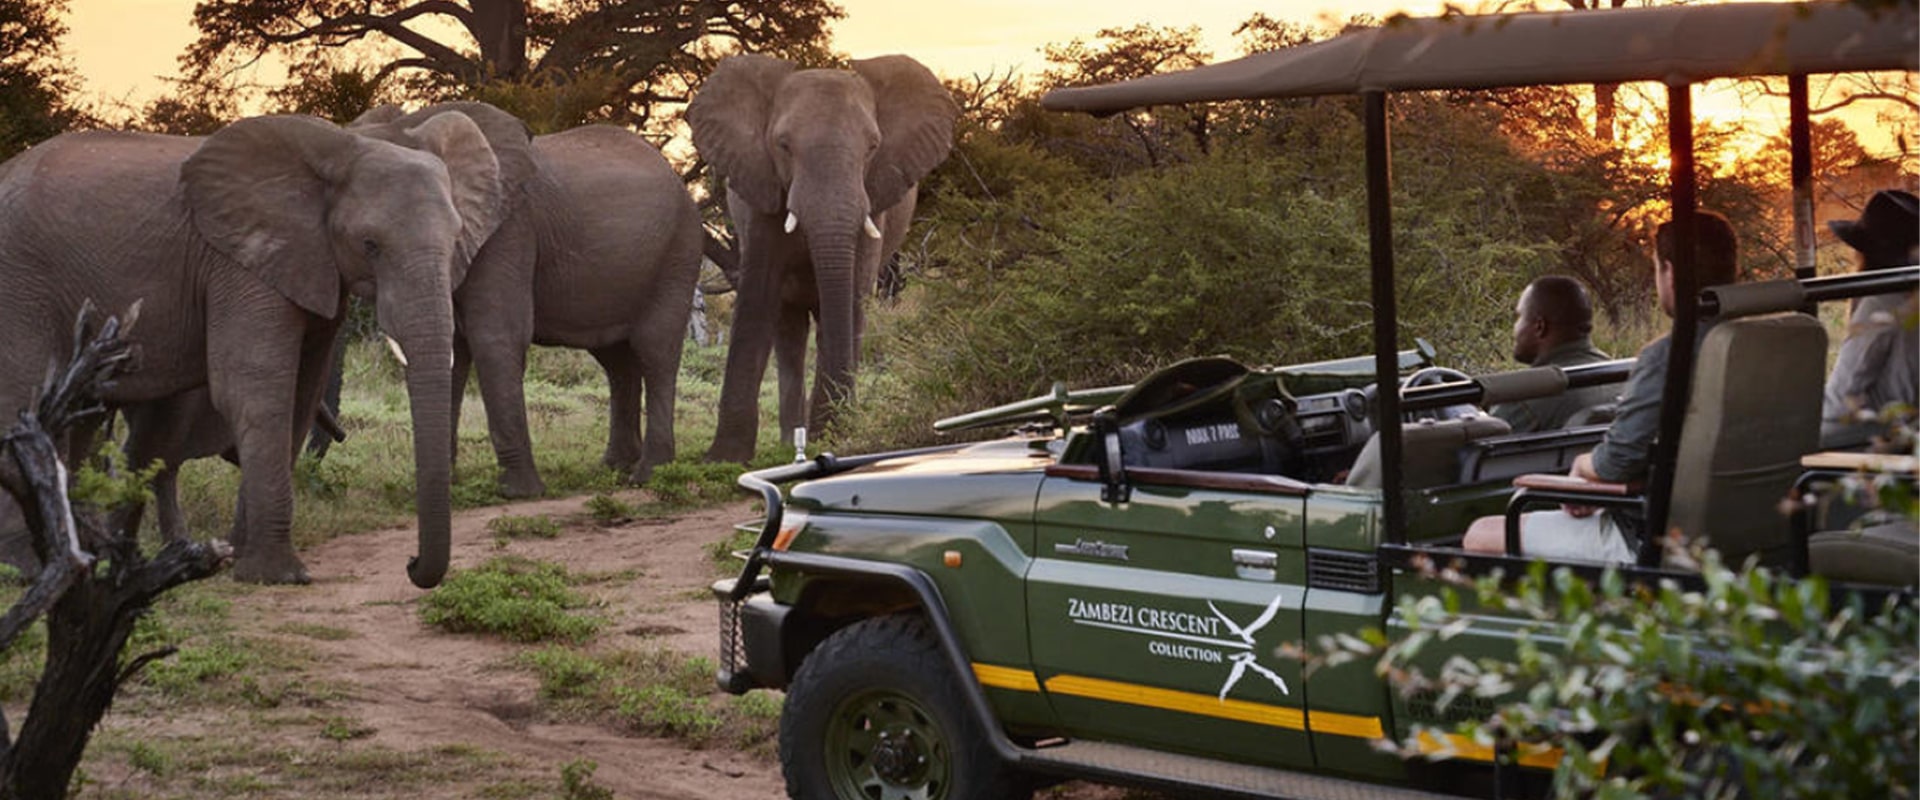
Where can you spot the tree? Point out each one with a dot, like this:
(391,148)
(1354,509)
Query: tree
(35,79)
(641,53)
(1137,52)
(94,584)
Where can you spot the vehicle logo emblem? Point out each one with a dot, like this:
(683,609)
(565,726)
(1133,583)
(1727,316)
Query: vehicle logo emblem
(1243,661)
(1094,549)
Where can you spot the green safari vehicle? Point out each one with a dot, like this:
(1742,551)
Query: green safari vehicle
(1123,597)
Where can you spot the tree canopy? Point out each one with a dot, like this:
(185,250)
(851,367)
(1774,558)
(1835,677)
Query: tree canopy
(621,59)
(36,83)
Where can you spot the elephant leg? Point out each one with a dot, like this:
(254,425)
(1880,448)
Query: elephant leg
(657,348)
(16,541)
(160,431)
(257,353)
(790,362)
(752,334)
(500,357)
(320,439)
(462,366)
(623,405)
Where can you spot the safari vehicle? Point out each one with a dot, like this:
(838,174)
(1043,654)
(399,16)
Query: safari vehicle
(1112,600)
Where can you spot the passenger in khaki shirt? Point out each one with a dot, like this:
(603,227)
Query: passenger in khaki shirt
(1879,361)
(1552,322)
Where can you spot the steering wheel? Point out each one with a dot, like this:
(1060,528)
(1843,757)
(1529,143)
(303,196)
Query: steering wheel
(1434,376)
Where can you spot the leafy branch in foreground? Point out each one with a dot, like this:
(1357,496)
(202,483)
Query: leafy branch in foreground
(94,583)
(1745,684)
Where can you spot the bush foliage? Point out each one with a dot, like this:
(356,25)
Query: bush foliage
(521,600)
(1750,685)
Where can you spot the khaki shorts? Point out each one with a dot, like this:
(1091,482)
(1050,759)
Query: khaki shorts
(1561,536)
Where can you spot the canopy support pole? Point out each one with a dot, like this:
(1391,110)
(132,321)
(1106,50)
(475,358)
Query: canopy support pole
(1800,141)
(1386,315)
(1686,290)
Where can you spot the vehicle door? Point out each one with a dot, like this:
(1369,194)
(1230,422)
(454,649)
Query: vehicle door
(1158,620)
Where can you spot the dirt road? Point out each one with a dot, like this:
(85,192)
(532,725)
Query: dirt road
(404,688)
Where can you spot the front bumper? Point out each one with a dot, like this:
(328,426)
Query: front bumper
(751,651)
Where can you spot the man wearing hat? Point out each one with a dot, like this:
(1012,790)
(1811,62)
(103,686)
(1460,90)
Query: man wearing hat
(1879,362)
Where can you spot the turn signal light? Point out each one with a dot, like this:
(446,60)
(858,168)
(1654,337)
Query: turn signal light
(789,529)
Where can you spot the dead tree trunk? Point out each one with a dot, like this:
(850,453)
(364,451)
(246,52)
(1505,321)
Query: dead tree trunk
(94,583)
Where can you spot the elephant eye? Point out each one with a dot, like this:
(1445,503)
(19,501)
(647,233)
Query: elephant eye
(372,247)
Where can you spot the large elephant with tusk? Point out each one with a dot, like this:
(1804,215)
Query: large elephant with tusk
(241,248)
(822,169)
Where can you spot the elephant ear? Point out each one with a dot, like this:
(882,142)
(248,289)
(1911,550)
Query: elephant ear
(509,137)
(257,190)
(378,115)
(477,192)
(729,118)
(916,114)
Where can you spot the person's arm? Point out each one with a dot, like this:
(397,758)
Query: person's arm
(1624,451)
(1519,416)
(1861,361)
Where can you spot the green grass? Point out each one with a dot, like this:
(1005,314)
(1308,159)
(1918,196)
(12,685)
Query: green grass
(508,527)
(651,691)
(220,765)
(366,482)
(576,781)
(606,509)
(514,598)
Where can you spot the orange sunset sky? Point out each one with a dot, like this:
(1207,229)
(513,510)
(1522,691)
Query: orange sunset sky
(119,46)
(122,48)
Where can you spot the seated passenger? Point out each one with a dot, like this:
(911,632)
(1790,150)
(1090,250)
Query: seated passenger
(1879,362)
(1578,532)
(1551,326)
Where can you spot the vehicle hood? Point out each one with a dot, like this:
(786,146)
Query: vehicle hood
(997,479)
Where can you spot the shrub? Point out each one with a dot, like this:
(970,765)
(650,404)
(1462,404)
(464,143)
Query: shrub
(609,510)
(511,526)
(667,710)
(688,482)
(521,600)
(1756,685)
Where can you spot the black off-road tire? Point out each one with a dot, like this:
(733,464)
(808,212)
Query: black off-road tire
(876,714)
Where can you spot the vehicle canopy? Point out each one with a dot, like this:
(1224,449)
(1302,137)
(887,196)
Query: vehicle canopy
(1675,45)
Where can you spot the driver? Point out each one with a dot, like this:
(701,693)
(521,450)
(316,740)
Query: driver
(1551,328)
(1577,532)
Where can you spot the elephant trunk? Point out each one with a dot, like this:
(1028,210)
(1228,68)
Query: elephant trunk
(423,327)
(829,198)
(834,276)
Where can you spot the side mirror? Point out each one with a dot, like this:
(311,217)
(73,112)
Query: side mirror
(1113,470)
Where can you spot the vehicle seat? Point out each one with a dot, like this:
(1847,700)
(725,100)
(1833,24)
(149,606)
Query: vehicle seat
(1430,451)
(1601,414)
(1754,411)
(1887,554)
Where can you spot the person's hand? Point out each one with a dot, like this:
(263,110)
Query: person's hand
(1582,469)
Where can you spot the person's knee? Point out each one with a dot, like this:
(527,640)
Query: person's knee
(1486,535)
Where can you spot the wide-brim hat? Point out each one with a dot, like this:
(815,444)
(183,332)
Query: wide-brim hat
(1890,224)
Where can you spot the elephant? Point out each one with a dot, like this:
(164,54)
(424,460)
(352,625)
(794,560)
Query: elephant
(822,170)
(600,252)
(241,248)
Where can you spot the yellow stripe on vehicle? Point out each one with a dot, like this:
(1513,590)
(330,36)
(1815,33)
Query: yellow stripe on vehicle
(1183,702)
(1019,680)
(1463,747)
(1345,725)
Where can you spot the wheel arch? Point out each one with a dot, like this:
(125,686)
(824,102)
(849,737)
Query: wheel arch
(855,590)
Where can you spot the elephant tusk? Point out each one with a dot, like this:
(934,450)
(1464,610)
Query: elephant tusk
(872,229)
(398,354)
(793,221)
